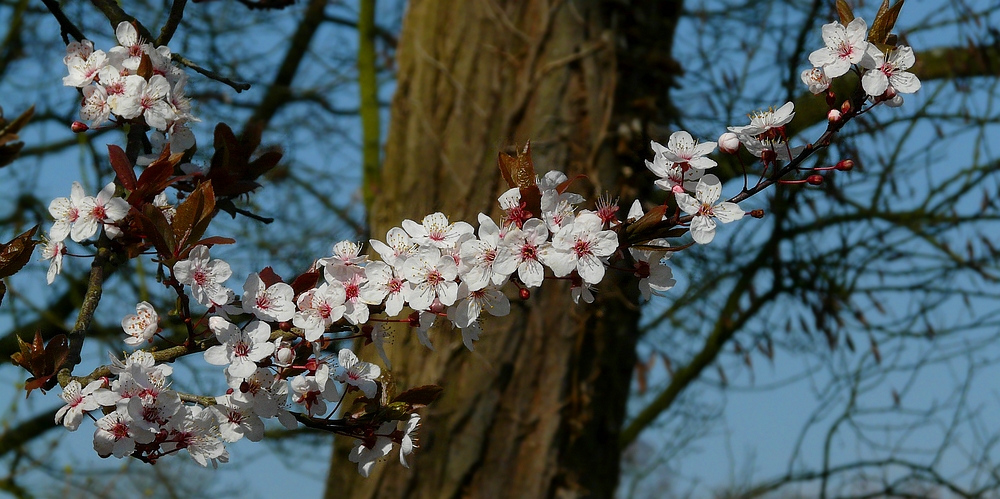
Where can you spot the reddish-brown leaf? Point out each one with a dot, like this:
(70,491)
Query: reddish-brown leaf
(157,176)
(122,167)
(845,12)
(157,229)
(884,21)
(41,360)
(518,171)
(16,253)
(269,276)
(145,67)
(305,281)
(194,214)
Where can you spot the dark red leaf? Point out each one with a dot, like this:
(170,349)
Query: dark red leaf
(122,167)
(16,253)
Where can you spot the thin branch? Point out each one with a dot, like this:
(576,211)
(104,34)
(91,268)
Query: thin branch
(174,20)
(66,27)
(237,85)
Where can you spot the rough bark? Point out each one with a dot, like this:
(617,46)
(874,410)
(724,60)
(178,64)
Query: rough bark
(537,409)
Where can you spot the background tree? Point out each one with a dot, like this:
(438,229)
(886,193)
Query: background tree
(536,410)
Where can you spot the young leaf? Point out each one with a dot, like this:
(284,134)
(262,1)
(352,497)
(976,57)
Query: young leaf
(16,253)
(42,361)
(518,171)
(122,167)
(845,12)
(194,213)
(884,21)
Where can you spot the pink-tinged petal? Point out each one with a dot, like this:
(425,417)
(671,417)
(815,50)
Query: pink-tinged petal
(116,209)
(604,243)
(591,269)
(561,262)
(728,212)
(856,31)
(687,203)
(241,367)
(702,229)
(84,229)
(217,355)
(709,189)
(531,273)
(822,57)
(421,296)
(874,82)
(834,34)
(903,58)
(680,140)
(448,293)
(905,82)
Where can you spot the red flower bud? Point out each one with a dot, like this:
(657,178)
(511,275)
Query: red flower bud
(79,127)
(844,165)
(524,293)
(757,213)
(815,179)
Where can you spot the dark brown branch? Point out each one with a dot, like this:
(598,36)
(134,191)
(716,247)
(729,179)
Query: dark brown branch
(173,20)
(66,27)
(116,15)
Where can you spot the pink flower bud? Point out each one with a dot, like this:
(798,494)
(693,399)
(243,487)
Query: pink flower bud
(729,143)
(79,127)
(833,116)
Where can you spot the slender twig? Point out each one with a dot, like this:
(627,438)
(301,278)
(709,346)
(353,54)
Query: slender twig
(66,27)
(237,85)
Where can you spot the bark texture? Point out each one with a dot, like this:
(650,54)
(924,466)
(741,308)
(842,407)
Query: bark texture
(537,409)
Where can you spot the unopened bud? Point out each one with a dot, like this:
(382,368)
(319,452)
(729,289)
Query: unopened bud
(79,127)
(229,391)
(889,93)
(285,356)
(757,213)
(524,293)
(845,107)
(285,326)
(831,98)
(833,116)
(729,143)
(815,179)
(844,165)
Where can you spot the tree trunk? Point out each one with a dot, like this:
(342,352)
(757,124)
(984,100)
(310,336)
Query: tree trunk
(537,409)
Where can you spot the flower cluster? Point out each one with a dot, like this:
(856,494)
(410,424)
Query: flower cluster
(270,340)
(143,417)
(112,84)
(885,74)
